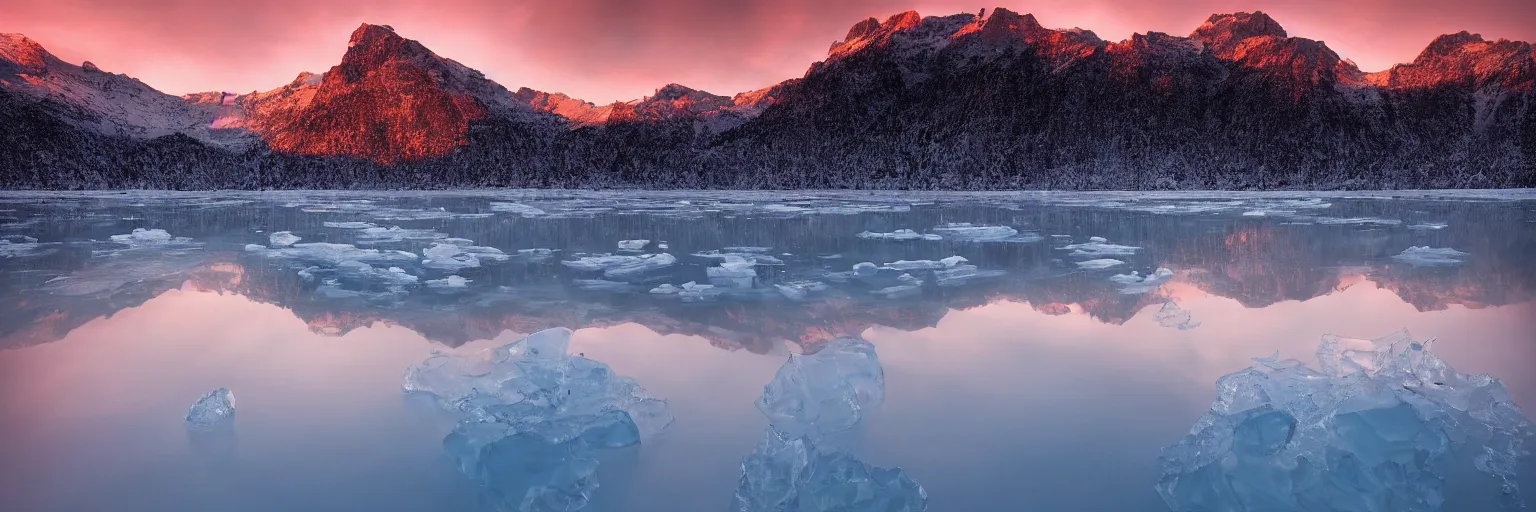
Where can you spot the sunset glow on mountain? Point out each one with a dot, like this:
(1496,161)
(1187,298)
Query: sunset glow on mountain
(606,50)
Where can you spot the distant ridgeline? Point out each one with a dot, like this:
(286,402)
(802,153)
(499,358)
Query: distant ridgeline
(956,102)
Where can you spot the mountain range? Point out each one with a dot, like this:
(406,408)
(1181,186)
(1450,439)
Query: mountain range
(992,100)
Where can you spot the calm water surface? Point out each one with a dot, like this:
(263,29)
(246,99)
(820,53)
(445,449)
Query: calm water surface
(1046,386)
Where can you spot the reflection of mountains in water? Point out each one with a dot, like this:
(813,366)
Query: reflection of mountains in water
(1255,261)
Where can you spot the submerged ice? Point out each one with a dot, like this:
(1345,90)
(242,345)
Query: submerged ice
(1373,428)
(798,467)
(214,410)
(533,417)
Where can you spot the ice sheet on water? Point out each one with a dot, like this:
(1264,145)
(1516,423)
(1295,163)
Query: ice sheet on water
(449,255)
(1134,282)
(1098,247)
(1373,428)
(976,232)
(11,247)
(623,267)
(1421,256)
(450,282)
(753,254)
(900,235)
(1099,264)
(214,410)
(603,285)
(633,245)
(962,274)
(517,208)
(350,225)
(376,234)
(799,290)
(1172,316)
(283,239)
(1357,221)
(906,286)
(733,272)
(331,254)
(533,416)
(141,237)
(798,467)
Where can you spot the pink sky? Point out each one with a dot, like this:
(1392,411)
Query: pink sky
(607,50)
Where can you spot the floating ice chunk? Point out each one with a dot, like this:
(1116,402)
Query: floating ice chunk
(900,235)
(1096,247)
(1420,256)
(908,287)
(825,392)
(966,231)
(518,208)
(1429,226)
(633,245)
(666,289)
(453,281)
(798,474)
(141,237)
(1098,239)
(283,239)
(377,234)
(214,410)
(695,292)
(603,285)
(747,249)
(662,245)
(961,274)
(350,225)
(734,271)
(536,254)
(1172,316)
(622,267)
(1134,282)
(1358,221)
(798,290)
(332,254)
(1373,428)
(448,256)
(9,249)
(1099,264)
(533,415)
(907,266)
(756,257)
(865,269)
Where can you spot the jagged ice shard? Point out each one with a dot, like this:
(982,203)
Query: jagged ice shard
(532,417)
(1374,428)
(214,410)
(797,468)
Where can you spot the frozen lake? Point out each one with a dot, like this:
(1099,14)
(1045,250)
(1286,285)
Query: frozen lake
(1045,368)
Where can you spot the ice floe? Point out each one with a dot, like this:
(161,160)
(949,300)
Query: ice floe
(1134,282)
(622,267)
(1098,247)
(1429,226)
(906,286)
(1377,426)
(734,271)
(1099,264)
(967,232)
(900,235)
(141,237)
(1420,256)
(283,239)
(799,290)
(517,208)
(450,282)
(633,245)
